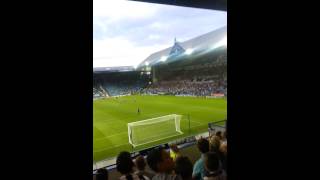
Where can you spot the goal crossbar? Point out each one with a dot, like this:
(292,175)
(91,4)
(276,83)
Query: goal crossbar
(148,120)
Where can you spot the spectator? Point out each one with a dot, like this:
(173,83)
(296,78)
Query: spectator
(183,167)
(216,147)
(212,166)
(125,167)
(219,135)
(160,161)
(224,137)
(102,174)
(214,143)
(198,168)
(141,165)
(223,148)
(223,156)
(174,151)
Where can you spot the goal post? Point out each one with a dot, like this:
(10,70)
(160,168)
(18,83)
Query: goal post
(154,129)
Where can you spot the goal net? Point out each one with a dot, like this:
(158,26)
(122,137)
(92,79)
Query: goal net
(154,129)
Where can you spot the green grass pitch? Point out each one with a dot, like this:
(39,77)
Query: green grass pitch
(110,118)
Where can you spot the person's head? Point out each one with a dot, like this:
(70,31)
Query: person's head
(102,174)
(183,167)
(211,161)
(124,163)
(160,161)
(214,143)
(219,134)
(140,163)
(174,148)
(203,145)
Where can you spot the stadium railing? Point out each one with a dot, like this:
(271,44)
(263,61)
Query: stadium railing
(216,126)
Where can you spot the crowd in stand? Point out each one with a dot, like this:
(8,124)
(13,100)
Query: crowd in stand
(183,87)
(120,83)
(194,88)
(195,79)
(97,93)
(115,89)
(172,165)
(205,81)
(199,79)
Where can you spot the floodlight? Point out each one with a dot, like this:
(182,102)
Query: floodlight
(189,51)
(163,58)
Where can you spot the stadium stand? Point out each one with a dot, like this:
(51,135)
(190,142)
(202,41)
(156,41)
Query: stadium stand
(99,92)
(194,80)
(192,88)
(120,83)
(117,89)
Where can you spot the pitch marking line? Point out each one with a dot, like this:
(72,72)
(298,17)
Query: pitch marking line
(110,136)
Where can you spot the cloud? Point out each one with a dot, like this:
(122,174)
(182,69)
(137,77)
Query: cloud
(126,32)
(121,9)
(120,52)
(154,37)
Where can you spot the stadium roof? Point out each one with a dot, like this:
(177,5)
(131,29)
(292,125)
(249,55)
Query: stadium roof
(203,42)
(206,4)
(207,41)
(113,69)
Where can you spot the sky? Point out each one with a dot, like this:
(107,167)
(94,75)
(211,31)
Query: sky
(125,32)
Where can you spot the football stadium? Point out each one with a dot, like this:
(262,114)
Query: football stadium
(182,85)
(173,99)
